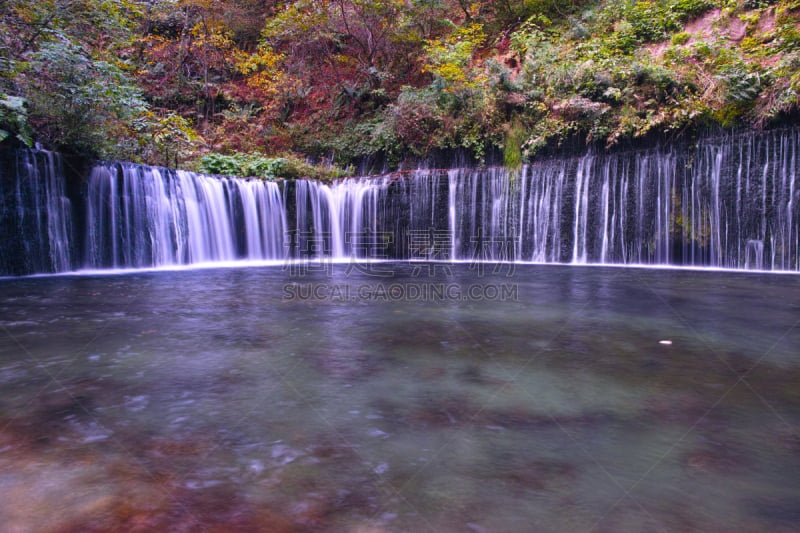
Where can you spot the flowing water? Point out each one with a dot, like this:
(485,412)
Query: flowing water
(36,215)
(148,217)
(409,396)
(728,202)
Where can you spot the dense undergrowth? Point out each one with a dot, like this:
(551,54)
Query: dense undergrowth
(259,88)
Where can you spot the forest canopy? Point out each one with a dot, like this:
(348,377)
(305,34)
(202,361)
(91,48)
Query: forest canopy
(243,85)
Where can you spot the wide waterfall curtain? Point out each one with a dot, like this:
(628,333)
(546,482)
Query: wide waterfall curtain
(729,202)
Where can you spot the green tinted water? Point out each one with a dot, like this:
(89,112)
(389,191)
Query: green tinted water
(441,398)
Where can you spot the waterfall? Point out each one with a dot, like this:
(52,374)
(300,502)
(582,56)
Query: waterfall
(730,202)
(339,220)
(139,216)
(35,214)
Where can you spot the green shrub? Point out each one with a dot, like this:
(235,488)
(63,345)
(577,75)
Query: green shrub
(259,166)
(688,9)
(757,4)
(79,104)
(14,120)
(652,20)
(680,38)
(512,146)
(741,84)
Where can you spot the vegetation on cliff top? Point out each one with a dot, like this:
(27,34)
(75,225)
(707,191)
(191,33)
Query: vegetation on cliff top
(254,87)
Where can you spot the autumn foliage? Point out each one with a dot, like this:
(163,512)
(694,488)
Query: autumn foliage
(172,81)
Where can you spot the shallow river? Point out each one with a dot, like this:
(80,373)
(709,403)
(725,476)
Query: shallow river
(401,397)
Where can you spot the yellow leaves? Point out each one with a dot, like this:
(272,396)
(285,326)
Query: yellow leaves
(451,72)
(300,20)
(172,126)
(211,29)
(472,34)
(345,60)
(122,10)
(32,12)
(214,34)
(202,4)
(475,9)
(155,42)
(451,58)
(458,47)
(168,138)
(262,69)
(265,59)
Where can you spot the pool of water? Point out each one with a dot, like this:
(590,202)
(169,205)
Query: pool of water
(401,397)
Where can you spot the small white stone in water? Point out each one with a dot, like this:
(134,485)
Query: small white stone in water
(195,485)
(94,358)
(256,466)
(284,454)
(136,403)
(95,438)
(381,469)
(300,508)
(665,342)
(279,450)
(375,432)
